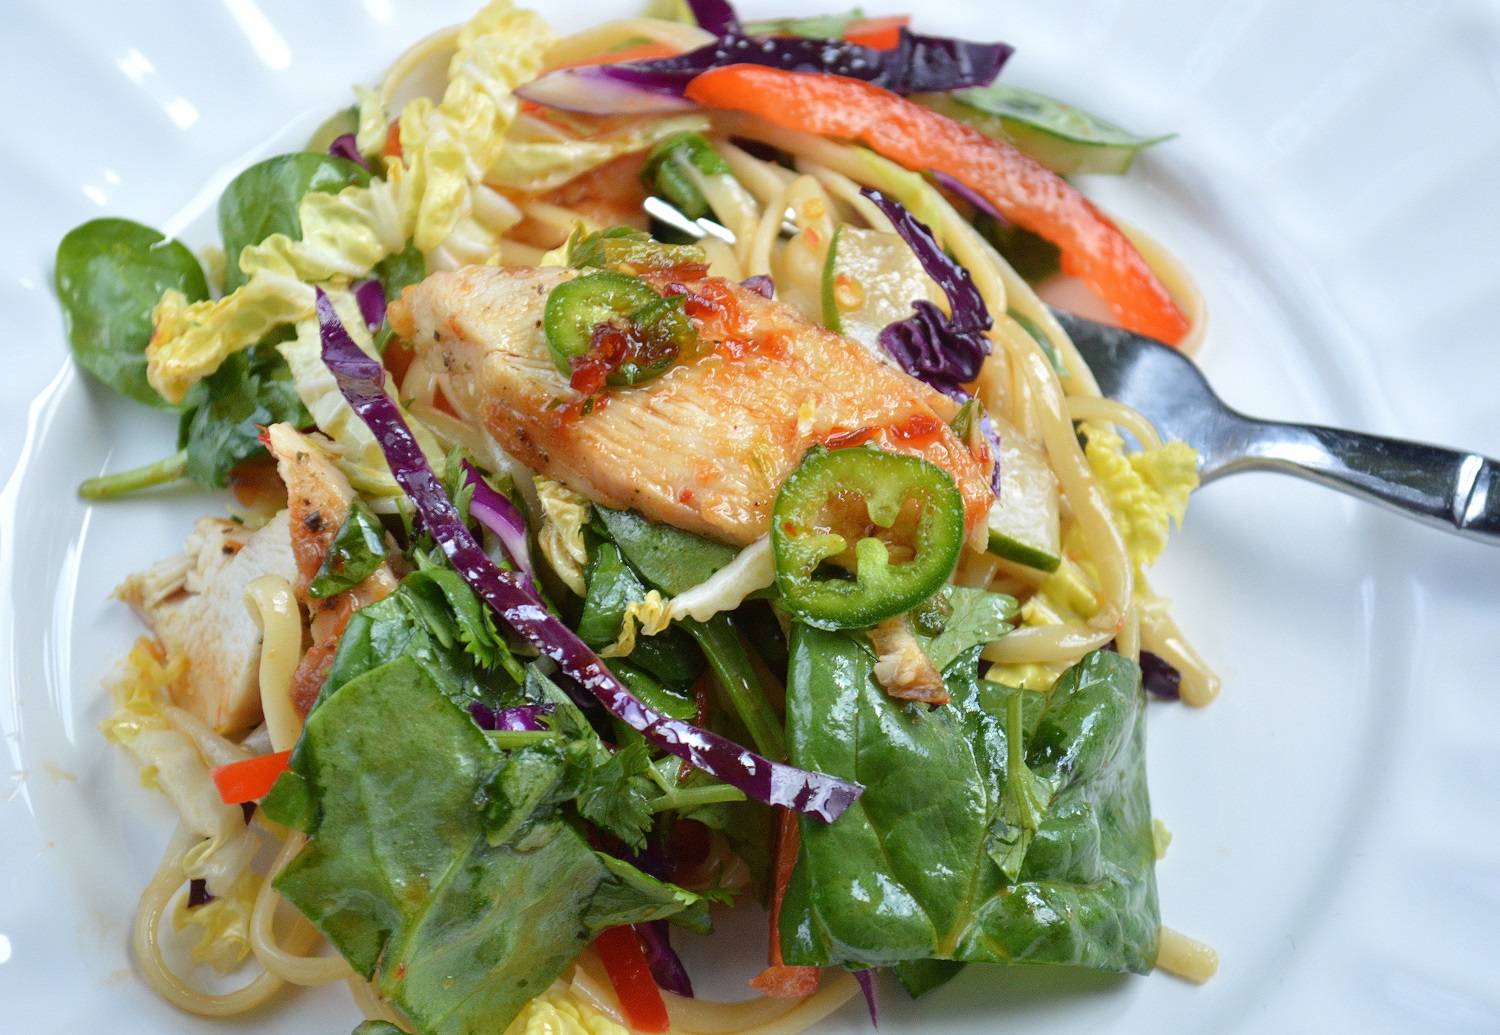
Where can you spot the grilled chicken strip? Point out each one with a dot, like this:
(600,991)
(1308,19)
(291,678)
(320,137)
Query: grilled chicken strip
(195,604)
(319,499)
(703,447)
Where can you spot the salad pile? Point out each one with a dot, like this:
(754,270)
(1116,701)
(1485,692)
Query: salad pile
(656,485)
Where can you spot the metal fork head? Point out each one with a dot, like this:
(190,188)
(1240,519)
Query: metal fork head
(1164,386)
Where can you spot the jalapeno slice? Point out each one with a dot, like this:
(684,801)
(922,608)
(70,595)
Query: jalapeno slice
(861,535)
(576,307)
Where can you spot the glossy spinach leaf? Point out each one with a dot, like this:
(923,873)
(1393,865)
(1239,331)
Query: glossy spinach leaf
(919,977)
(264,200)
(668,558)
(612,586)
(252,389)
(400,876)
(358,549)
(910,873)
(110,273)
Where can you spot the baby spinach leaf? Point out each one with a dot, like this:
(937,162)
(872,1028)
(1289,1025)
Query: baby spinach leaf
(252,389)
(612,586)
(264,200)
(910,873)
(400,876)
(110,273)
(668,558)
(919,977)
(357,550)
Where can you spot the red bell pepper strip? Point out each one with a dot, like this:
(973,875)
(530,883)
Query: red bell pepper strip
(1021,188)
(250,779)
(880,33)
(625,963)
(778,979)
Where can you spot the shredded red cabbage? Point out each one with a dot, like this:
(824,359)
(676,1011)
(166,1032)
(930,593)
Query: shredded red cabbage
(715,15)
(500,516)
(1160,677)
(523,718)
(361,379)
(761,284)
(370,294)
(941,351)
(969,194)
(345,147)
(866,979)
(917,64)
(198,893)
(666,966)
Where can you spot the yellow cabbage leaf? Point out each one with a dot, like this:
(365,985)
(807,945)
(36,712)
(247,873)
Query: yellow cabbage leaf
(188,342)
(447,148)
(1147,490)
(557,1012)
(540,165)
(564,513)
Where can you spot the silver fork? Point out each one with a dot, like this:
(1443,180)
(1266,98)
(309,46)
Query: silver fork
(1458,492)
(1445,488)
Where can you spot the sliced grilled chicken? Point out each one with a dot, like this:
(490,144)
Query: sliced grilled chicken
(703,447)
(195,604)
(319,499)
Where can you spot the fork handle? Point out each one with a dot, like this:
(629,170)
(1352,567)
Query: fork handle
(1452,490)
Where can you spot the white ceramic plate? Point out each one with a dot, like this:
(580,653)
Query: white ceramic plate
(1336,818)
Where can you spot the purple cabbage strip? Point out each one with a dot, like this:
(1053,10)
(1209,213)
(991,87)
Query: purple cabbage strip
(361,379)
(761,284)
(655,860)
(866,979)
(918,64)
(666,966)
(969,194)
(524,718)
(1160,677)
(370,294)
(940,351)
(992,436)
(716,16)
(198,893)
(499,515)
(344,147)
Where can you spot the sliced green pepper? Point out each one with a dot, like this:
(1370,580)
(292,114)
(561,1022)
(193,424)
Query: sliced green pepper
(667,174)
(618,326)
(626,249)
(849,510)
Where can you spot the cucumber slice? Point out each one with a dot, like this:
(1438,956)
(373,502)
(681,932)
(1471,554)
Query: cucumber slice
(1065,139)
(1024,521)
(870,279)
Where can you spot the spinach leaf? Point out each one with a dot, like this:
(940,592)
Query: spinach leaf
(400,876)
(669,558)
(909,872)
(264,199)
(400,270)
(357,550)
(612,586)
(110,273)
(252,389)
(919,977)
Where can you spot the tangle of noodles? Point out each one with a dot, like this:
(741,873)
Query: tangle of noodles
(158,973)
(273,606)
(287,964)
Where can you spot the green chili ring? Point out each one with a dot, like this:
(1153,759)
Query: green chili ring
(886,482)
(576,307)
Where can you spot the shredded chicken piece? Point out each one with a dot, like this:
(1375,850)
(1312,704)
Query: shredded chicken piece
(903,667)
(195,604)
